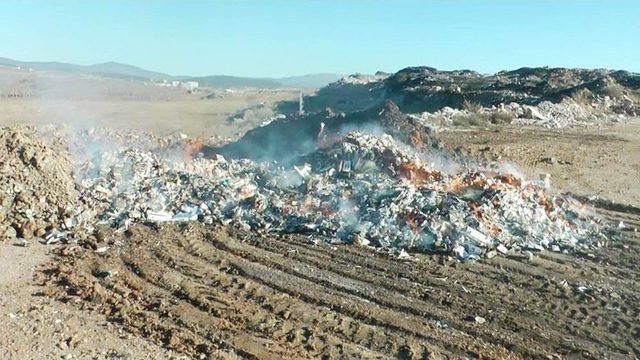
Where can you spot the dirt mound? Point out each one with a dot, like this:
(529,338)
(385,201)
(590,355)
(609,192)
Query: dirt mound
(38,193)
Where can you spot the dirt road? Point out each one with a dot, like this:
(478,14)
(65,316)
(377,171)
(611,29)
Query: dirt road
(206,292)
(35,326)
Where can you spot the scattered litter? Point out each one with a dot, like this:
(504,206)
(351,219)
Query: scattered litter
(480,320)
(102,250)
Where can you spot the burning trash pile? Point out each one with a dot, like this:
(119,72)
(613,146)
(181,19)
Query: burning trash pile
(363,189)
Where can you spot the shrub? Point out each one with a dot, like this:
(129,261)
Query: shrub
(472,107)
(582,96)
(501,117)
(470,120)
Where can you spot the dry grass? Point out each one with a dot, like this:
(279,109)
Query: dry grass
(614,91)
(472,107)
(582,97)
(479,120)
(501,117)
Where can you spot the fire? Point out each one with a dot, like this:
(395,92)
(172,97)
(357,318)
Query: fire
(510,180)
(193,147)
(417,174)
(411,221)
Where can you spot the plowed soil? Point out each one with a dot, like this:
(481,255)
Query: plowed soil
(211,293)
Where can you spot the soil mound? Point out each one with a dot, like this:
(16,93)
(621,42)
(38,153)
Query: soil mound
(38,193)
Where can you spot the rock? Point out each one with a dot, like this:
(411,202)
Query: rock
(8,232)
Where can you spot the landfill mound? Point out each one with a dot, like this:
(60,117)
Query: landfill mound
(422,88)
(363,189)
(283,140)
(598,95)
(38,197)
(415,102)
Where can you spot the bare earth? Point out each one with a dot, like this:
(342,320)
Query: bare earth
(196,291)
(205,292)
(603,161)
(38,327)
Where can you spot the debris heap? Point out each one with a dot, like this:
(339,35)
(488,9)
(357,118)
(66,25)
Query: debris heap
(38,197)
(363,189)
(566,113)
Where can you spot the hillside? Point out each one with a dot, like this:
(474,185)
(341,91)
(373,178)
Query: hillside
(112,69)
(119,70)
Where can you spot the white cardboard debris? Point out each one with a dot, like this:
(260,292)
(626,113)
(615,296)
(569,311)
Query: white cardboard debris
(390,198)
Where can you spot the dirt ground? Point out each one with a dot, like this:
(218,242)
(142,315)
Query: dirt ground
(35,326)
(188,114)
(602,161)
(209,293)
(189,290)
(84,101)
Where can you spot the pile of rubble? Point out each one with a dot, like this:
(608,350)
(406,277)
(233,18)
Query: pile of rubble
(566,113)
(361,79)
(425,89)
(363,189)
(38,196)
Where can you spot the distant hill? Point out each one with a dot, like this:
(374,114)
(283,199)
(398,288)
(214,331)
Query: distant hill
(304,81)
(125,70)
(225,81)
(118,70)
(106,69)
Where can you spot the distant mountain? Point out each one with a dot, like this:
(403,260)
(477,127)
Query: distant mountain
(224,81)
(107,69)
(125,70)
(118,70)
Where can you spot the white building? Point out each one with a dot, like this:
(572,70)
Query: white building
(189,85)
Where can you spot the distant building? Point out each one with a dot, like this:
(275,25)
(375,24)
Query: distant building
(189,85)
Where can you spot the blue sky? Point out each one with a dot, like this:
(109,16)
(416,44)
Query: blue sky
(279,38)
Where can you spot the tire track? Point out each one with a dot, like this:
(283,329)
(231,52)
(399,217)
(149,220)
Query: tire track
(206,292)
